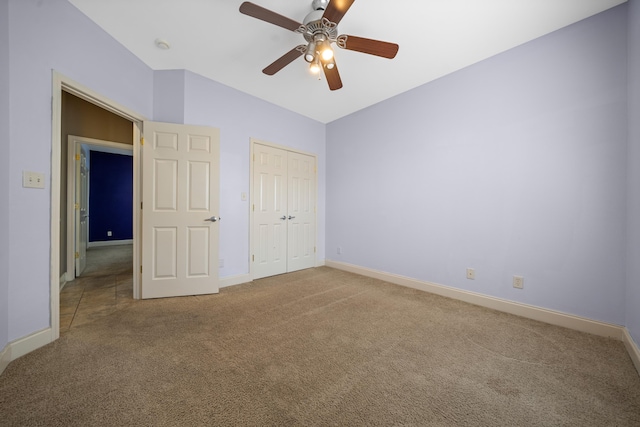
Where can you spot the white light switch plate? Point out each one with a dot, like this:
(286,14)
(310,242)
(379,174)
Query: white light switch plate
(32,179)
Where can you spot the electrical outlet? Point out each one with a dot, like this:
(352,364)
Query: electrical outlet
(339,250)
(518,282)
(471,274)
(109,234)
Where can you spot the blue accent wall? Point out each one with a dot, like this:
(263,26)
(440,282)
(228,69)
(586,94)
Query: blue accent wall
(110,196)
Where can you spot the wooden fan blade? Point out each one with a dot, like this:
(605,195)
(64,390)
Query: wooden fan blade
(333,77)
(284,60)
(336,9)
(266,15)
(372,47)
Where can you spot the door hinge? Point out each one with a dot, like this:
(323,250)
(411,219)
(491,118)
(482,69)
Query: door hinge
(314,249)
(77,156)
(140,269)
(142,141)
(253,258)
(253,208)
(77,255)
(140,205)
(76,206)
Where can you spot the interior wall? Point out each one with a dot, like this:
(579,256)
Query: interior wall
(240,117)
(168,96)
(5,176)
(512,166)
(110,197)
(633,195)
(45,36)
(82,118)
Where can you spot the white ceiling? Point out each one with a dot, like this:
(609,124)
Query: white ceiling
(436,37)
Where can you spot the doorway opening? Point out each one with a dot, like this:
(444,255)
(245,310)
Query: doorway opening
(99,230)
(62,87)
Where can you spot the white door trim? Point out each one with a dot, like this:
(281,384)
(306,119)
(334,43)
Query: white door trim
(74,142)
(60,82)
(252,193)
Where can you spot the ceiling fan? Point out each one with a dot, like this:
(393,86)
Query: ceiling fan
(320,30)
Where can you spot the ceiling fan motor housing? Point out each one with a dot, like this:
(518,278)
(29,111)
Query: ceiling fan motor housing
(318,28)
(319,4)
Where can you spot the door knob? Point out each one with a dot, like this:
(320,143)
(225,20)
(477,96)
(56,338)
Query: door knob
(291,217)
(213,219)
(283,217)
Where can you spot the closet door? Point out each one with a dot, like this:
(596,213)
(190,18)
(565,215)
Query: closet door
(283,211)
(301,212)
(269,211)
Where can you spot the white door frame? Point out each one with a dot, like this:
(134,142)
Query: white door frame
(252,192)
(60,83)
(74,142)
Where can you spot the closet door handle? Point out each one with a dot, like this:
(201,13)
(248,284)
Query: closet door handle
(291,217)
(213,219)
(283,217)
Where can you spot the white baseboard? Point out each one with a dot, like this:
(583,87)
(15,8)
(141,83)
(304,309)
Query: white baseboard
(321,263)
(25,345)
(632,348)
(5,358)
(531,312)
(63,280)
(110,243)
(22,346)
(225,282)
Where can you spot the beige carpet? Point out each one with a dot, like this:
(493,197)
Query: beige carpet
(321,347)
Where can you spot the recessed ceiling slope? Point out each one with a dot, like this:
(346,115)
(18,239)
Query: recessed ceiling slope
(437,37)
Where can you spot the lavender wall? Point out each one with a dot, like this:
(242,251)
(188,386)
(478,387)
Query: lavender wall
(240,117)
(46,36)
(513,166)
(4,173)
(633,194)
(168,96)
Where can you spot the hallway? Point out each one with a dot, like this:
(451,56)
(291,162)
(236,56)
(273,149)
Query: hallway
(105,287)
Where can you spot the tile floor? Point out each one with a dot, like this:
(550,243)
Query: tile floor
(105,286)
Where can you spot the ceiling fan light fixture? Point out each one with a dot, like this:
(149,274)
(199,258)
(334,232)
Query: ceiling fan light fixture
(310,53)
(314,67)
(320,30)
(327,52)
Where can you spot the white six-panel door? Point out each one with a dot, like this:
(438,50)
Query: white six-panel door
(269,211)
(283,229)
(180,223)
(301,228)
